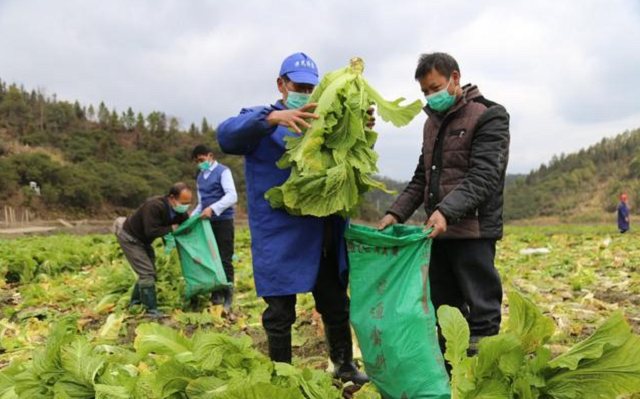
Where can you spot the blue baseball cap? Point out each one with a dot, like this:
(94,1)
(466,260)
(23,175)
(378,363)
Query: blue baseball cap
(300,69)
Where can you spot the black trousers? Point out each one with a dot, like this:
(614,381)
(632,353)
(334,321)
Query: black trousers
(463,275)
(224,231)
(329,294)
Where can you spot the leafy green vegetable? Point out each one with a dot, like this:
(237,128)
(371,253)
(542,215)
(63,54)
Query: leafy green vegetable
(605,365)
(526,321)
(167,365)
(516,364)
(332,162)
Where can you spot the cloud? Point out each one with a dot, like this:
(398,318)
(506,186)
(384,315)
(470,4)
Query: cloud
(564,70)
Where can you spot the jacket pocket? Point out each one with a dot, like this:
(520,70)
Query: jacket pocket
(458,132)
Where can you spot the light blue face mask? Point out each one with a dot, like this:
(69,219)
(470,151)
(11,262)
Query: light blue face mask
(441,101)
(204,165)
(297,100)
(181,208)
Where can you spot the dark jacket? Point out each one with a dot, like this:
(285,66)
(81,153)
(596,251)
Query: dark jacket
(153,219)
(461,171)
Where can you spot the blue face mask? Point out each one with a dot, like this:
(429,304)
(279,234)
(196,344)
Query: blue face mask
(180,208)
(204,165)
(297,100)
(441,101)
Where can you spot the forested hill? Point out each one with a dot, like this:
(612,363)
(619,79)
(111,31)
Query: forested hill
(581,187)
(91,160)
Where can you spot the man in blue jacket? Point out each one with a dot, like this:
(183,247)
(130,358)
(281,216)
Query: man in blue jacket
(216,198)
(291,254)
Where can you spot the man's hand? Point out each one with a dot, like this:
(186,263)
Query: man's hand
(293,118)
(387,221)
(438,222)
(372,119)
(174,227)
(207,213)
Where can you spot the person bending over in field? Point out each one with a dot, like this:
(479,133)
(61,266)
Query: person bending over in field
(157,217)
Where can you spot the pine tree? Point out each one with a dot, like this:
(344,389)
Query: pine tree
(91,113)
(104,116)
(193,130)
(205,129)
(15,111)
(129,119)
(114,121)
(140,125)
(78,111)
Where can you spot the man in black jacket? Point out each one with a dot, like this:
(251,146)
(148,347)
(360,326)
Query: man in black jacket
(460,181)
(157,217)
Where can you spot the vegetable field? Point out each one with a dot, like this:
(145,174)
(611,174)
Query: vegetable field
(66,332)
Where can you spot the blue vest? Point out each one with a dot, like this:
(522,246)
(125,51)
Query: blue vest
(211,191)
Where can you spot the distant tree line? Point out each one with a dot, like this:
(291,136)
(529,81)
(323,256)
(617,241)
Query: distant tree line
(88,159)
(593,177)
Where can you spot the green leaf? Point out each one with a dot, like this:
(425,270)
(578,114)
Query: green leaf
(206,388)
(491,352)
(455,330)
(392,111)
(154,338)
(174,377)
(491,389)
(262,390)
(81,363)
(613,333)
(368,391)
(615,373)
(8,381)
(528,323)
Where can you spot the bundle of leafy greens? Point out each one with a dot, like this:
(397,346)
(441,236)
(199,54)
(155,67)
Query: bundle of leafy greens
(517,364)
(164,364)
(332,161)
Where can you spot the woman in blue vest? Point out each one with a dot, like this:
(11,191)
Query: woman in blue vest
(291,254)
(216,198)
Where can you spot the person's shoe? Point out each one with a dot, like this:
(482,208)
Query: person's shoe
(135,296)
(280,348)
(217,297)
(228,299)
(154,314)
(149,300)
(341,354)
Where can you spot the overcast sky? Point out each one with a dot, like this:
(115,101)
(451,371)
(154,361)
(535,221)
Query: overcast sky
(567,71)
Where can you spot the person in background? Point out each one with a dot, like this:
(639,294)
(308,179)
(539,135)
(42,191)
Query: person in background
(216,199)
(157,217)
(459,179)
(623,214)
(291,254)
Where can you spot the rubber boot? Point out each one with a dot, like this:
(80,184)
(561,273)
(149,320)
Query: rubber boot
(217,297)
(279,348)
(228,299)
(341,354)
(148,298)
(135,296)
